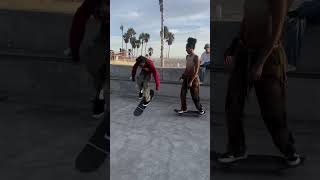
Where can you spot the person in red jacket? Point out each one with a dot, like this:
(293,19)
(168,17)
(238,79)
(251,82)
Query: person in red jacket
(87,9)
(143,79)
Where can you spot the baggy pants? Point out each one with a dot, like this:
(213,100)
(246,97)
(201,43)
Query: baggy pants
(271,95)
(194,90)
(143,80)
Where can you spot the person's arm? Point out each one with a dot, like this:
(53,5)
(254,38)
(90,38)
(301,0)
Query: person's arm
(279,11)
(182,76)
(196,66)
(155,74)
(134,71)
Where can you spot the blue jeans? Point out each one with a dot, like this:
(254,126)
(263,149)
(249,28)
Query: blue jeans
(203,69)
(293,35)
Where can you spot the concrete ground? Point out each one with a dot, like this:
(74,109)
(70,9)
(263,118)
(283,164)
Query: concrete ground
(259,142)
(303,118)
(159,144)
(40,137)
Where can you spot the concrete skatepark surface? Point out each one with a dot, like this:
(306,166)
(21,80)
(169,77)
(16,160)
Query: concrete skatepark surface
(159,144)
(259,142)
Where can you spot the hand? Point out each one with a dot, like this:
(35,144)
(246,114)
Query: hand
(228,60)
(256,72)
(181,80)
(190,85)
(146,69)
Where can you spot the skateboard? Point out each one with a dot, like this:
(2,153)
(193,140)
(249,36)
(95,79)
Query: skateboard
(255,163)
(188,113)
(140,108)
(96,150)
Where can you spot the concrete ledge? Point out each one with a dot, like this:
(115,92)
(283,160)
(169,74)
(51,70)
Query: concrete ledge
(171,90)
(38,32)
(168,75)
(224,32)
(41,77)
(303,98)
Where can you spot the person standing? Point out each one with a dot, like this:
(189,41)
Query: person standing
(259,62)
(204,62)
(190,78)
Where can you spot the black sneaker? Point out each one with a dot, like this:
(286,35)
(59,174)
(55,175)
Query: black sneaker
(98,108)
(140,94)
(293,160)
(231,157)
(145,103)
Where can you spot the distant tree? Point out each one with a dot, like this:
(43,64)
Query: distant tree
(150,51)
(133,44)
(170,41)
(126,39)
(121,28)
(146,40)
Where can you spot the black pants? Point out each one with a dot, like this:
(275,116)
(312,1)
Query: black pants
(271,95)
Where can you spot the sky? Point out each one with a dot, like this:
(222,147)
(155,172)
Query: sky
(184,18)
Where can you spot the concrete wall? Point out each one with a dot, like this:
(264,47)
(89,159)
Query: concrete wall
(303,97)
(37,32)
(223,33)
(170,85)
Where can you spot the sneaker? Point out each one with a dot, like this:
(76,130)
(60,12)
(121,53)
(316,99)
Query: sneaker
(293,160)
(140,94)
(202,112)
(181,111)
(231,157)
(67,52)
(98,108)
(145,103)
(291,68)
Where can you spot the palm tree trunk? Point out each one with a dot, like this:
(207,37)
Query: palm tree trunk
(141,48)
(145,48)
(162,32)
(169,52)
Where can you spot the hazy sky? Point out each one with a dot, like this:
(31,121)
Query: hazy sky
(184,18)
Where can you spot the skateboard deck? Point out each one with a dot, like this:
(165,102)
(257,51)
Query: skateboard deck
(188,113)
(255,163)
(95,151)
(140,108)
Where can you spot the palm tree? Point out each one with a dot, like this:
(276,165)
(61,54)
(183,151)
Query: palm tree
(126,39)
(150,50)
(138,43)
(141,39)
(131,33)
(162,33)
(121,28)
(129,52)
(170,41)
(133,44)
(146,40)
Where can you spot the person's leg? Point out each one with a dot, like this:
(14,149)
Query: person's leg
(272,100)
(194,90)
(183,94)
(234,106)
(77,30)
(146,89)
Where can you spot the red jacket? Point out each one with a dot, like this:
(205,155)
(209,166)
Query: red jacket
(151,69)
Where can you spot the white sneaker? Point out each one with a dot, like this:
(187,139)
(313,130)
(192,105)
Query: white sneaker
(231,157)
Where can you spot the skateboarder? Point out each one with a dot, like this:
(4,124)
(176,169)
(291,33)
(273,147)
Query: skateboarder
(96,64)
(144,78)
(190,78)
(259,62)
